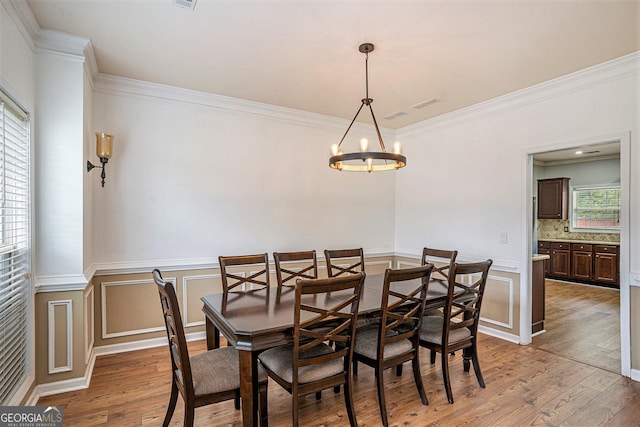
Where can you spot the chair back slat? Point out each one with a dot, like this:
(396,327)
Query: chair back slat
(464,300)
(180,363)
(235,282)
(353,256)
(325,310)
(444,259)
(403,302)
(288,276)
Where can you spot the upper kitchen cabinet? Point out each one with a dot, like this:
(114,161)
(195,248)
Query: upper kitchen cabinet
(553,198)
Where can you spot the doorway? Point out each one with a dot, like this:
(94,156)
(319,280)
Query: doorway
(583,322)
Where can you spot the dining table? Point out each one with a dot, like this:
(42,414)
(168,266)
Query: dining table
(255,320)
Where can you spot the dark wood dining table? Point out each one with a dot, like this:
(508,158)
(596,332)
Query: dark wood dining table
(255,320)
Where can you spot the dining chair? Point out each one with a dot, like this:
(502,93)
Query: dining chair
(203,379)
(286,275)
(309,364)
(395,339)
(430,255)
(258,279)
(346,255)
(458,327)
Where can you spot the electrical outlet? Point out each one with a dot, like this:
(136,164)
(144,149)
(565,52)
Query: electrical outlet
(504,237)
(566,229)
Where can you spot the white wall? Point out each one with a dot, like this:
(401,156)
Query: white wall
(585,173)
(194,179)
(471,181)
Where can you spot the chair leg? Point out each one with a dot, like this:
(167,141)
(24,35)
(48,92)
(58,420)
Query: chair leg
(189,415)
(417,376)
(172,404)
(355,367)
(381,400)
(399,370)
(294,408)
(236,400)
(476,365)
(318,395)
(348,401)
(445,374)
(264,413)
(336,389)
(432,356)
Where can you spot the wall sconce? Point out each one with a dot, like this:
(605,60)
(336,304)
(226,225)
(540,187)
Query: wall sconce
(104,146)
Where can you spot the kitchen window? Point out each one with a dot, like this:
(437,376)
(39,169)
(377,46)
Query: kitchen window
(596,209)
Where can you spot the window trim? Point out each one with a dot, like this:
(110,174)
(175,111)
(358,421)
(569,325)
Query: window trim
(571,203)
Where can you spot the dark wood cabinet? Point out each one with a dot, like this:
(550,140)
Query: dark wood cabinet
(581,261)
(606,264)
(553,198)
(544,248)
(537,296)
(561,260)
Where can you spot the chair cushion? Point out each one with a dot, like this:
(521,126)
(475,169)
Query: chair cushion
(218,370)
(366,344)
(279,360)
(431,331)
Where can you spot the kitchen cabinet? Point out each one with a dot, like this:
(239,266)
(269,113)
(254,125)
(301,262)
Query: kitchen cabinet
(606,264)
(544,248)
(537,295)
(597,264)
(561,260)
(581,261)
(553,198)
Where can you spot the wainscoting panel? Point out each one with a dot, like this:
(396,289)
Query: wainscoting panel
(60,336)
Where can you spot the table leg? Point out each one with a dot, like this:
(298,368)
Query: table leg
(213,335)
(249,387)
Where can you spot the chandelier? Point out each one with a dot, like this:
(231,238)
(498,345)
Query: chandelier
(365,160)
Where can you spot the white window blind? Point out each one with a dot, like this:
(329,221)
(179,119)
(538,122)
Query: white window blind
(596,208)
(14,247)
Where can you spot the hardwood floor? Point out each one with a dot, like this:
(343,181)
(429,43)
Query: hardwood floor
(582,323)
(525,386)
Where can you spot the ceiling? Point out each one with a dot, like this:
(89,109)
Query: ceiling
(303,54)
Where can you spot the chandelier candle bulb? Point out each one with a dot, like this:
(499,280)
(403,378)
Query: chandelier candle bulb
(364,145)
(334,149)
(397,147)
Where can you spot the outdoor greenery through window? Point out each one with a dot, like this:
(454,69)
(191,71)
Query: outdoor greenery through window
(596,208)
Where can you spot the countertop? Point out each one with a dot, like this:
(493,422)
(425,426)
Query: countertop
(586,242)
(539,257)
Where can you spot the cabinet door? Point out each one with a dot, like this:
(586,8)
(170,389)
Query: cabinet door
(606,267)
(547,262)
(561,262)
(553,198)
(581,265)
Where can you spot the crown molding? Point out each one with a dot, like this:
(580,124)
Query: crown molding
(22,17)
(60,283)
(110,84)
(617,68)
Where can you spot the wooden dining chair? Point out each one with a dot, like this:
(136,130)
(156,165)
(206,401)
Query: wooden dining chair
(286,275)
(353,256)
(258,279)
(439,256)
(203,379)
(309,364)
(395,339)
(458,327)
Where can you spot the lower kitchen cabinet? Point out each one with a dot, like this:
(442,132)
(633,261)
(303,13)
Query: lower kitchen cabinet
(561,260)
(581,261)
(606,264)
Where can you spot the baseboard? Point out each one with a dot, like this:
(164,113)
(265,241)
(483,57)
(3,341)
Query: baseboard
(499,334)
(66,385)
(635,374)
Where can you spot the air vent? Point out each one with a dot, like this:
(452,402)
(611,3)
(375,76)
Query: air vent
(394,115)
(424,103)
(186,4)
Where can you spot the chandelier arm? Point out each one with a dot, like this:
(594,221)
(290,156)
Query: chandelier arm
(351,124)
(375,123)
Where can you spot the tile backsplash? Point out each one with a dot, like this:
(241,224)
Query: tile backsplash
(554,229)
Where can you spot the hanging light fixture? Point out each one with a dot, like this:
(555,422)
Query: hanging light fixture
(365,160)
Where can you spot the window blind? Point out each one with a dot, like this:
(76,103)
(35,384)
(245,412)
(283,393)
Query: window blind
(14,247)
(596,208)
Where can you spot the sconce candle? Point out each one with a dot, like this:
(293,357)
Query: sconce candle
(104,148)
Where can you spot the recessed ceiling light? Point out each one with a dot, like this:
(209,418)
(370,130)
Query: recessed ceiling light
(185,4)
(394,115)
(578,152)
